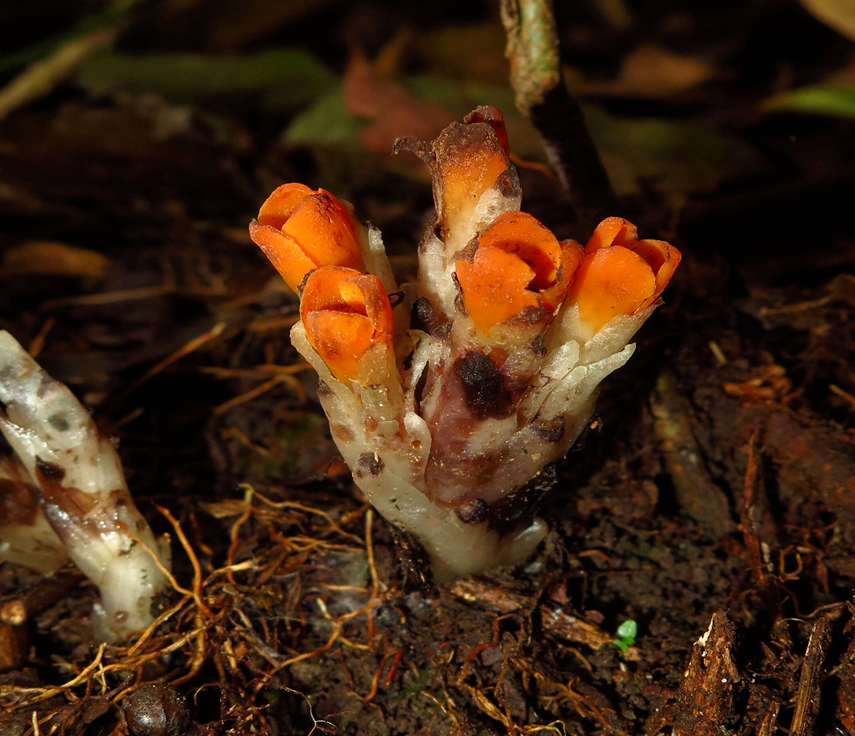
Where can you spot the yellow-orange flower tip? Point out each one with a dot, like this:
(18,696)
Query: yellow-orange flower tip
(619,273)
(516,264)
(299,230)
(345,313)
(493,117)
(466,160)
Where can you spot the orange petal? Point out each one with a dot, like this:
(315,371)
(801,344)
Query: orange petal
(345,313)
(612,231)
(283,252)
(571,257)
(553,263)
(521,234)
(611,281)
(663,258)
(469,160)
(341,339)
(321,227)
(494,286)
(280,205)
(316,231)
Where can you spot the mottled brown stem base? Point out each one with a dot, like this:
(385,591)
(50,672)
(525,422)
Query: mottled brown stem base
(542,96)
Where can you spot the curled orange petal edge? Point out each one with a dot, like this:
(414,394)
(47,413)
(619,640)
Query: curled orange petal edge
(516,263)
(299,229)
(621,274)
(345,313)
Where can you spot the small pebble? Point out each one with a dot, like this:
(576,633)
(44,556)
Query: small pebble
(157,709)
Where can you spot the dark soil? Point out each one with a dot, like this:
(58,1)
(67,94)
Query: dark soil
(713,496)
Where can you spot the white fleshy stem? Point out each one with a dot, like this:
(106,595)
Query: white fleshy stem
(82,492)
(389,459)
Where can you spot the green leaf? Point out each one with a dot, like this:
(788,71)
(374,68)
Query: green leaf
(285,79)
(326,122)
(625,635)
(820,100)
(115,11)
(675,157)
(628,630)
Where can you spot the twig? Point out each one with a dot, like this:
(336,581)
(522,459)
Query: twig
(190,347)
(748,522)
(256,392)
(542,96)
(40,78)
(769,724)
(39,340)
(808,696)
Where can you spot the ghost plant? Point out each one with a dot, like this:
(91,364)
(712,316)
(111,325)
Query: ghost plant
(63,494)
(447,398)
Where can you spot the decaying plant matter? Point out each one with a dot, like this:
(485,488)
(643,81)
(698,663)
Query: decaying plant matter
(447,398)
(63,493)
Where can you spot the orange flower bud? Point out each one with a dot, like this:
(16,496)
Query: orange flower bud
(344,313)
(300,230)
(470,158)
(621,274)
(514,264)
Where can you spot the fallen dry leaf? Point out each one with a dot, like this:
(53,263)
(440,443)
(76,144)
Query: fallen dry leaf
(836,14)
(647,71)
(392,111)
(50,258)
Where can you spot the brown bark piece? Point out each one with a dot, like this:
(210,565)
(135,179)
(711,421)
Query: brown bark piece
(556,621)
(846,691)
(705,700)
(810,682)
(696,492)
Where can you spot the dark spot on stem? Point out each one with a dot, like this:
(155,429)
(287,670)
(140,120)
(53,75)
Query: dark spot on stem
(46,384)
(551,430)
(59,423)
(425,317)
(483,387)
(473,512)
(517,509)
(369,463)
(51,471)
(529,316)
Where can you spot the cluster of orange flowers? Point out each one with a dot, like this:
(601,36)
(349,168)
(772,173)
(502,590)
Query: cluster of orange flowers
(517,263)
(458,391)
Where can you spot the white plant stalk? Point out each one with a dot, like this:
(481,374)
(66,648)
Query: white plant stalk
(448,401)
(69,479)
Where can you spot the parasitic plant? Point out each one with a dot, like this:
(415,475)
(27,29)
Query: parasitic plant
(447,399)
(63,494)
